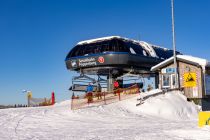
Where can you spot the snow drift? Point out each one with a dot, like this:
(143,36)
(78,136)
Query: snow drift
(172,106)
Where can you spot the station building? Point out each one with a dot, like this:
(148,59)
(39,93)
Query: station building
(193,76)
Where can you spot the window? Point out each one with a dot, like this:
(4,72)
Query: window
(173,80)
(97,49)
(114,45)
(144,53)
(132,51)
(81,51)
(89,49)
(122,46)
(166,80)
(75,51)
(104,47)
(137,48)
(208,70)
(163,54)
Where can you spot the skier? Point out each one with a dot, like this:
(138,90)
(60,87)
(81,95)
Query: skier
(116,88)
(89,93)
(99,91)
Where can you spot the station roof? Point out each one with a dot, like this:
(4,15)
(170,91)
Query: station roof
(97,40)
(118,37)
(185,58)
(153,50)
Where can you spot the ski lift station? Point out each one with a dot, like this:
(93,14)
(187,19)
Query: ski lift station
(114,58)
(105,60)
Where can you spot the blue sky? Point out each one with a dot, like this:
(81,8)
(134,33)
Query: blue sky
(36,35)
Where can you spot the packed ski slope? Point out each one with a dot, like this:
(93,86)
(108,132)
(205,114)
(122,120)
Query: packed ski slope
(167,116)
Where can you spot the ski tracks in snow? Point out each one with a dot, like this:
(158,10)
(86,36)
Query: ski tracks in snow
(111,122)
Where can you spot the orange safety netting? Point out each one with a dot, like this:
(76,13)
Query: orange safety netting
(102,98)
(32,102)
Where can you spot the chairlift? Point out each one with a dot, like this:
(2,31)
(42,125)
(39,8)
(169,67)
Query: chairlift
(85,77)
(80,83)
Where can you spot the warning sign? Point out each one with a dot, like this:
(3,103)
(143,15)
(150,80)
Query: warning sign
(190,79)
(29,94)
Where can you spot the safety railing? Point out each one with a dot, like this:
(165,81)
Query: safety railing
(103,98)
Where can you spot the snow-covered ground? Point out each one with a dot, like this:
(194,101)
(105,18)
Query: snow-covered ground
(167,116)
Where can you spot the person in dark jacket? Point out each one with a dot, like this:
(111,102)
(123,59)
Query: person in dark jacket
(99,95)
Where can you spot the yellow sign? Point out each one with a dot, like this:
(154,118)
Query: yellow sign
(204,119)
(190,79)
(29,95)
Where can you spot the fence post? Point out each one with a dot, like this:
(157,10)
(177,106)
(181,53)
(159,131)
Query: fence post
(72,99)
(28,101)
(29,96)
(118,91)
(53,98)
(104,98)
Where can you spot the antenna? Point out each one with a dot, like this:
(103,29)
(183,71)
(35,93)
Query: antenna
(174,45)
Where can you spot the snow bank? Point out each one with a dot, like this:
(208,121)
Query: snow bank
(172,105)
(152,92)
(63,103)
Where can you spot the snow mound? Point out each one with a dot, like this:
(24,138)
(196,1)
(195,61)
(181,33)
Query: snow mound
(63,103)
(171,106)
(152,92)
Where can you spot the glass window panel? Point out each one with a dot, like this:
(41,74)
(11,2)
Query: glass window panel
(166,80)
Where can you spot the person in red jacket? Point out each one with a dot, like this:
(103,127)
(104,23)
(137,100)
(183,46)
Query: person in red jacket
(116,87)
(116,84)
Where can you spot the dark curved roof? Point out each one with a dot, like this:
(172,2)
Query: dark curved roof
(99,56)
(119,44)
